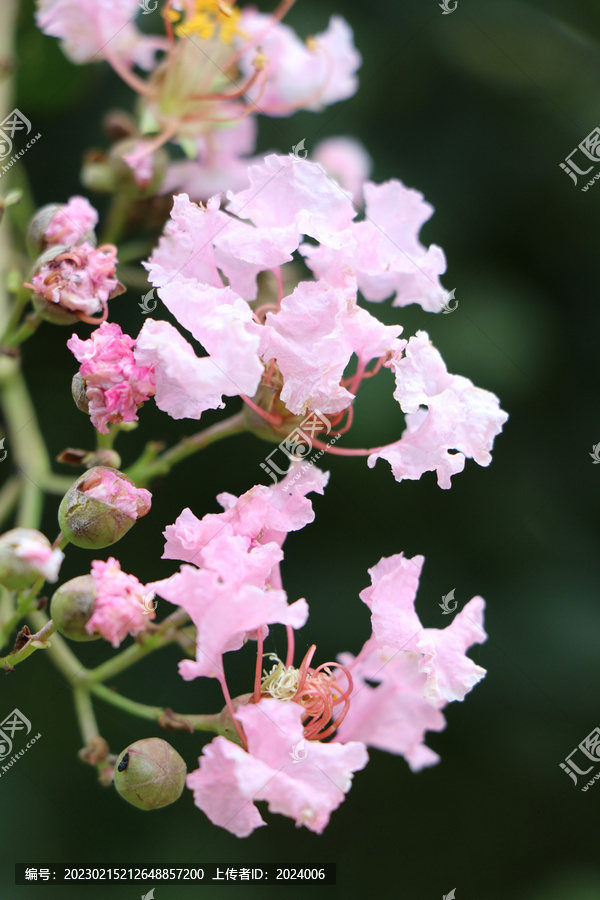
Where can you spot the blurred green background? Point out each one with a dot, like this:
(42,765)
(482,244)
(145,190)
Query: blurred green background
(475,109)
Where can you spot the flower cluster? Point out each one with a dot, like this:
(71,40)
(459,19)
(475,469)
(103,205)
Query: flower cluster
(231,588)
(300,345)
(122,604)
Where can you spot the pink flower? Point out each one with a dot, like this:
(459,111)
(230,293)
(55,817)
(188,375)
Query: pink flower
(299,75)
(80,280)
(450,674)
(109,487)
(229,779)
(224,611)
(122,605)
(73,222)
(459,417)
(115,385)
(313,337)
(346,160)
(261,515)
(386,255)
(92,30)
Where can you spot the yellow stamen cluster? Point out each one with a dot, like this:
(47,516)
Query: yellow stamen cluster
(280,682)
(211,18)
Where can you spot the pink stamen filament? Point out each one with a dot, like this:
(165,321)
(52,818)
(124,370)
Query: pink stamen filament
(229,704)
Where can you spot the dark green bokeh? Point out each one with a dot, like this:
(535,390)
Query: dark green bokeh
(476,109)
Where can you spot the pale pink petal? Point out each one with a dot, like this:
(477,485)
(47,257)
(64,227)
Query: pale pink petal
(450,673)
(230,779)
(73,222)
(391,599)
(185,385)
(223,615)
(460,420)
(288,192)
(299,75)
(392,715)
(313,337)
(92,30)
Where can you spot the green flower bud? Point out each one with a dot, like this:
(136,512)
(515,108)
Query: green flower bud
(124,175)
(79,391)
(150,774)
(100,507)
(25,556)
(72,606)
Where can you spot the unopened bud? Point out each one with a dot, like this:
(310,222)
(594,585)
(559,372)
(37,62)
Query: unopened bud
(145,178)
(150,774)
(25,556)
(100,507)
(72,606)
(79,391)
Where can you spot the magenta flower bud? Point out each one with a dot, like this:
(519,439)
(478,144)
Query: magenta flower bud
(150,774)
(25,556)
(62,224)
(100,507)
(72,606)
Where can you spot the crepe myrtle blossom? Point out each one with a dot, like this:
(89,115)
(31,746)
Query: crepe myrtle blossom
(76,283)
(121,605)
(387,697)
(308,346)
(213,56)
(110,384)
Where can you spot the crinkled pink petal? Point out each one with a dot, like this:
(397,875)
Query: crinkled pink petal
(385,254)
(230,779)
(122,605)
(450,673)
(394,714)
(115,385)
(288,192)
(346,160)
(223,323)
(223,613)
(313,337)
(141,163)
(186,248)
(391,599)
(185,385)
(263,514)
(299,75)
(73,222)
(459,417)
(80,279)
(110,488)
(92,30)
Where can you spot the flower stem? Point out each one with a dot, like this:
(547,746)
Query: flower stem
(149,464)
(157,713)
